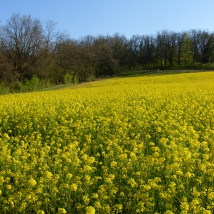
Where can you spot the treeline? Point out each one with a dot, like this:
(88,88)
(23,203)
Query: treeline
(33,53)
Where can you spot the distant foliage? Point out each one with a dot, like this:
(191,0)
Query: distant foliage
(3,89)
(32,84)
(68,78)
(30,48)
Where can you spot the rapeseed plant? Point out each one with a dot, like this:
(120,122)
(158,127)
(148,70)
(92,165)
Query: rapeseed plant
(131,145)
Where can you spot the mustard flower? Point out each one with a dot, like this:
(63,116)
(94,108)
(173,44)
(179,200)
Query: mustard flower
(207,212)
(69,176)
(97,204)
(90,210)
(61,211)
(184,206)
(73,187)
(86,199)
(169,212)
(32,182)
(40,212)
(95,195)
(48,175)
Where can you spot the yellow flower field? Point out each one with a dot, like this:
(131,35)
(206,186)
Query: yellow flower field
(121,145)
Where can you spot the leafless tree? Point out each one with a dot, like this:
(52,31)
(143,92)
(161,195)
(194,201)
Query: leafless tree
(22,40)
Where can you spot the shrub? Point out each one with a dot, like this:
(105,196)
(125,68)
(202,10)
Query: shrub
(3,89)
(68,78)
(16,87)
(32,84)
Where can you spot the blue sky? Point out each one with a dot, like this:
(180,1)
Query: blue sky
(79,18)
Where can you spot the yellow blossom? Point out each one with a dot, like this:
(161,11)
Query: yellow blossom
(61,211)
(90,210)
(32,182)
(73,187)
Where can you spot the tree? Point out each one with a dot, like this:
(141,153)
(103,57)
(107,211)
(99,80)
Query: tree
(194,35)
(74,58)
(105,62)
(47,56)
(22,38)
(118,44)
(186,53)
(135,51)
(160,50)
(205,46)
(5,69)
(208,55)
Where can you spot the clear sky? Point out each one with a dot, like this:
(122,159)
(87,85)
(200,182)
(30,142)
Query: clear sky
(79,18)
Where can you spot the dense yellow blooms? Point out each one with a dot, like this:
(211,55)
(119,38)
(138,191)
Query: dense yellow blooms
(90,210)
(61,211)
(121,145)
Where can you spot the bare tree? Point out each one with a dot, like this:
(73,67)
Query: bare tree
(22,38)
